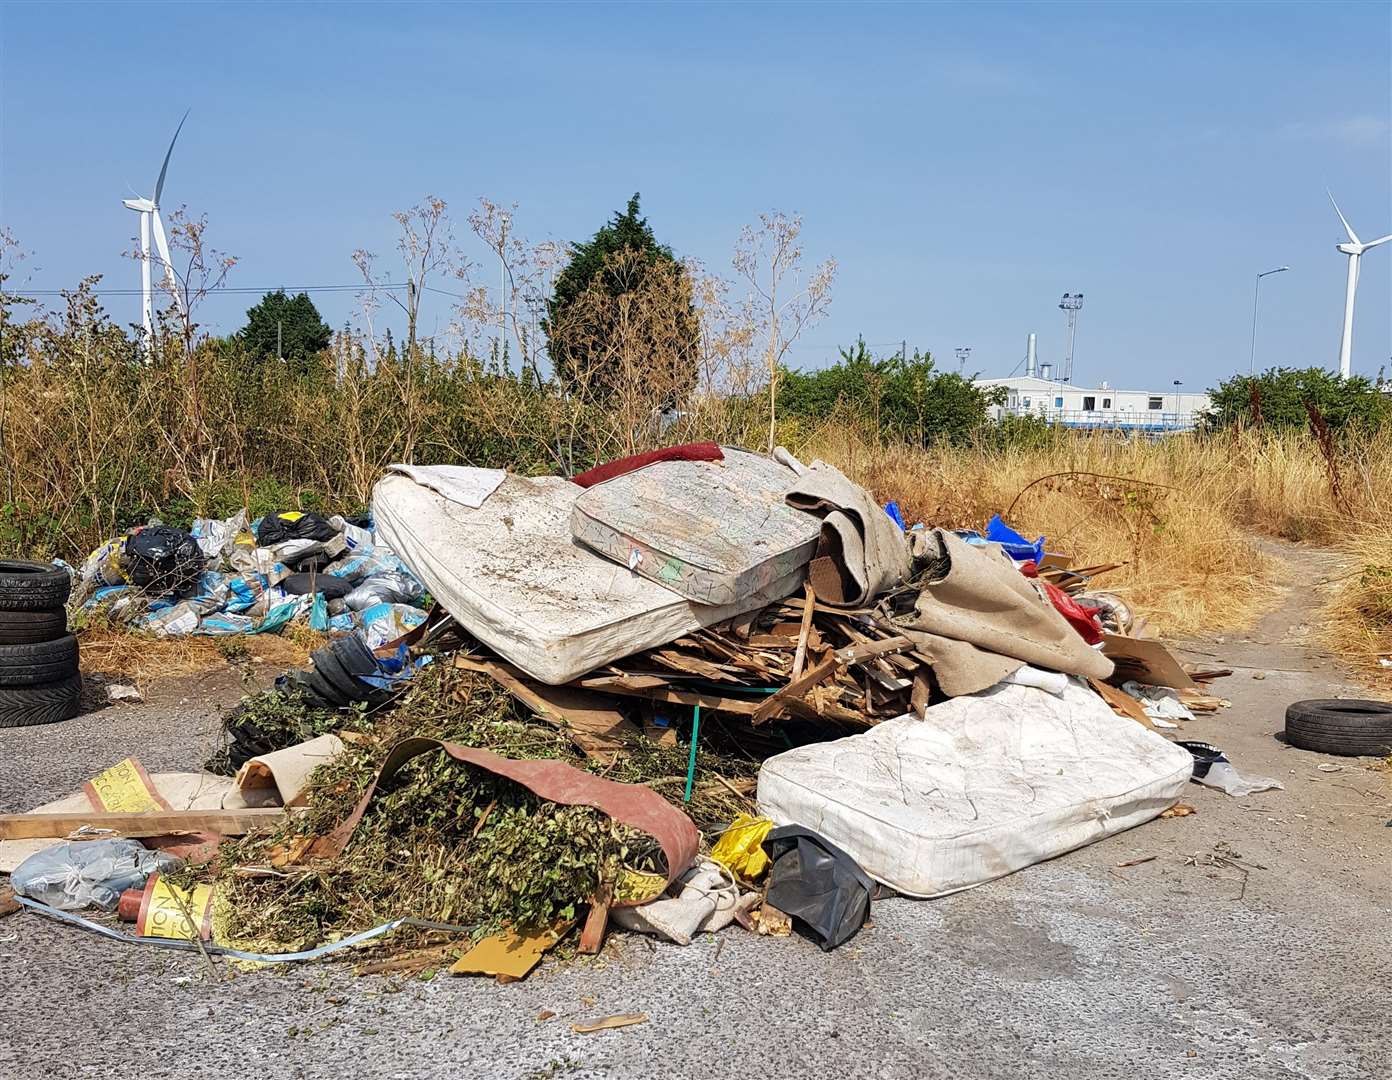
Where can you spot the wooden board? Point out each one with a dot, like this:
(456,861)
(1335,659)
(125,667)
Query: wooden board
(222,822)
(590,719)
(1122,703)
(795,689)
(663,692)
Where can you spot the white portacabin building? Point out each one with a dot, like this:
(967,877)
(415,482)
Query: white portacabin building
(1141,411)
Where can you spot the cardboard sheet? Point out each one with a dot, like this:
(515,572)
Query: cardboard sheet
(1144,661)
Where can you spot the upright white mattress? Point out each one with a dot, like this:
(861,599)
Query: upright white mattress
(712,531)
(983,786)
(510,573)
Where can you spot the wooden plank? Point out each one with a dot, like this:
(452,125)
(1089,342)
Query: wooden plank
(622,684)
(800,656)
(221,822)
(590,720)
(922,691)
(592,935)
(665,693)
(795,689)
(1122,703)
(692,665)
(855,654)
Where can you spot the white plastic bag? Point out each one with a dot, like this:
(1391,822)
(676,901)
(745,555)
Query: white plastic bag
(88,873)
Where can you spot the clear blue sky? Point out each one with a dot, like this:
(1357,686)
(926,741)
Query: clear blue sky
(965,165)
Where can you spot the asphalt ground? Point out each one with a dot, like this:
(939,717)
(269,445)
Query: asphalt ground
(1185,965)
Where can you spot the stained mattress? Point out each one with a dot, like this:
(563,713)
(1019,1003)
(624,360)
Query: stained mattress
(513,576)
(980,787)
(711,531)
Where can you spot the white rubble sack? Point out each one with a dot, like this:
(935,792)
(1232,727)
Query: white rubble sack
(707,898)
(983,786)
(512,575)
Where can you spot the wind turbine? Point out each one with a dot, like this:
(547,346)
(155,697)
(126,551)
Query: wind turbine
(148,209)
(1354,250)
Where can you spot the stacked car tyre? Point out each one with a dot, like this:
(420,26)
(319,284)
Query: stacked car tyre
(39,678)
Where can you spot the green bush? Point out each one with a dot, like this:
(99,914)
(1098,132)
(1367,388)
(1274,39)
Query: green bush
(1278,399)
(903,399)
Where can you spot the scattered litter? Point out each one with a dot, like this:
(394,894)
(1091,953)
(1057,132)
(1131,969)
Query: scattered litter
(509,955)
(1224,856)
(1162,704)
(1179,810)
(609,1022)
(819,885)
(163,909)
(116,692)
(740,848)
(1213,769)
(707,899)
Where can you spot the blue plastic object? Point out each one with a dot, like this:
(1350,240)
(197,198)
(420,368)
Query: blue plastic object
(892,509)
(1016,546)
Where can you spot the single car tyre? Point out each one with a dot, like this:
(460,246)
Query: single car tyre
(42,703)
(32,586)
(38,662)
(28,627)
(1347,727)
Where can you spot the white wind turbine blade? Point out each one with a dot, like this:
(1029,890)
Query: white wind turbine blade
(1347,227)
(1379,240)
(162,246)
(159,184)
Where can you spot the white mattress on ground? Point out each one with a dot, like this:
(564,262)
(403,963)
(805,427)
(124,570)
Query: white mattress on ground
(712,531)
(983,786)
(512,575)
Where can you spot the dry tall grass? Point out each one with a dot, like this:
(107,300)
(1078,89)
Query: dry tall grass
(1179,513)
(1356,621)
(1160,509)
(92,441)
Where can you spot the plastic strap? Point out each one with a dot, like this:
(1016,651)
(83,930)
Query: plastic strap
(237,954)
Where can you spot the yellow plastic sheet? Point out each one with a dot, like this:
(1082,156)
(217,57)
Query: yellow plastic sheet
(740,848)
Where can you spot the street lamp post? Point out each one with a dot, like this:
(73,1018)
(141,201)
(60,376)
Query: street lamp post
(1177,385)
(1256,298)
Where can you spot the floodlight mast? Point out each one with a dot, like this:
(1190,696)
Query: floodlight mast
(1071,304)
